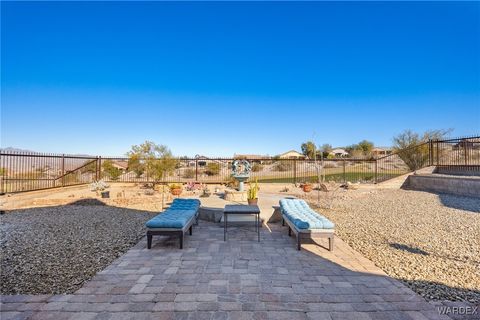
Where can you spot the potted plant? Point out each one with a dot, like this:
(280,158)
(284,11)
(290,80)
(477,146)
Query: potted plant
(252,194)
(307,187)
(176,189)
(206,192)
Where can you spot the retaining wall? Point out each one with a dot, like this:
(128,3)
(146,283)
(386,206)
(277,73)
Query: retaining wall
(464,186)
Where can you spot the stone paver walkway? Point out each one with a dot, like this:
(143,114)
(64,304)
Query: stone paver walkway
(237,279)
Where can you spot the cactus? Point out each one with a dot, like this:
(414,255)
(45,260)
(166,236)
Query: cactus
(253,191)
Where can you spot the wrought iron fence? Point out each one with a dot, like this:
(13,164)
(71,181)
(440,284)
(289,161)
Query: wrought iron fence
(459,155)
(35,171)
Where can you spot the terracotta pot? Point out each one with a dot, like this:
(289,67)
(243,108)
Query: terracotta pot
(252,202)
(176,192)
(307,187)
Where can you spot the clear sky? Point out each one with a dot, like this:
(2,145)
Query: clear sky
(218,78)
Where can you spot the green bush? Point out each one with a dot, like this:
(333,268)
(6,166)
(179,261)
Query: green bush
(413,149)
(136,165)
(110,170)
(189,173)
(283,166)
(257,167)
(212,169)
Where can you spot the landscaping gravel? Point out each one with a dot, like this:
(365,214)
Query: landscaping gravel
(54,250)
(431,242)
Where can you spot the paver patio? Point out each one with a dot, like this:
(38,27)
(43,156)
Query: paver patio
(237,279)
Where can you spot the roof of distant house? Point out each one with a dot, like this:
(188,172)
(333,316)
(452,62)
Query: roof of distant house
(292,151)
(120,163)
(338,150)
(250,156)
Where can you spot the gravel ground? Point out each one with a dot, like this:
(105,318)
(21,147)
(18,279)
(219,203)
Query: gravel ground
(430,242)
(54,250)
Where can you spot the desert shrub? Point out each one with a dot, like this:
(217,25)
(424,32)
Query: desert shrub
(231,182)
(329,164)
(412,148)
(189,173)
(173,186)
(110,170)
(90,166)
(283,166)
(212,169)
(257,167)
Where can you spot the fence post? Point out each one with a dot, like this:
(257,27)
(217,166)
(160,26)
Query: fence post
(196,170)
(430,152)
(96,169)
(99,168)
(465,151)
(63,170)
(376,171)
(437,152)
(344,171)
(294,171)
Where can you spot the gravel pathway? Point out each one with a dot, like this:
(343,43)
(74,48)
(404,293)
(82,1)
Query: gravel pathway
(430,242)
(54,250)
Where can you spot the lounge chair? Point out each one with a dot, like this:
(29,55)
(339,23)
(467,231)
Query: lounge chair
(306,223)
(176,220)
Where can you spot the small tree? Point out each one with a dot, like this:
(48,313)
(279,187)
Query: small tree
(363,149)
(308,149)
(136,164)
(324,150)
(412,148)
(157,161)
(112,171)
(366,147)
(212,169)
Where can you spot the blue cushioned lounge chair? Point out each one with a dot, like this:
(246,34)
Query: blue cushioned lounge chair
(176,220)
(305,222)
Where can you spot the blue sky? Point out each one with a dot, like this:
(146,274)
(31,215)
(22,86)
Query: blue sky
(218,78)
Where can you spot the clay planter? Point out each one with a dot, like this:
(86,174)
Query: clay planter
(252,202)
(307,187)
(176,192)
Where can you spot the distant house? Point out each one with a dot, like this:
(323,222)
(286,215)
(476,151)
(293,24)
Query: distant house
(252,157)
(120,164)
(338,153)
(378,152)
(202,161)
(292,154)
(467,144)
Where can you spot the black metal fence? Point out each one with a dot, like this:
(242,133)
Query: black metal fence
(34,171)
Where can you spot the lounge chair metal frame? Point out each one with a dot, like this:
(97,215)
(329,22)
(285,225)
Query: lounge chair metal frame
(173,231)
(308,233)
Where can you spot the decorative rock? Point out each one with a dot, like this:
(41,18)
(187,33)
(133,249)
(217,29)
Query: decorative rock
(54,250)
(429,241)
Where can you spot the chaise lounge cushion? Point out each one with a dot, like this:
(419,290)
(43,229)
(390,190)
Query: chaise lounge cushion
(185,204)
(302,216)
(177,218)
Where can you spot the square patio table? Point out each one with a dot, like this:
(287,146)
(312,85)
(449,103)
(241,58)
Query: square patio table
(234,209)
